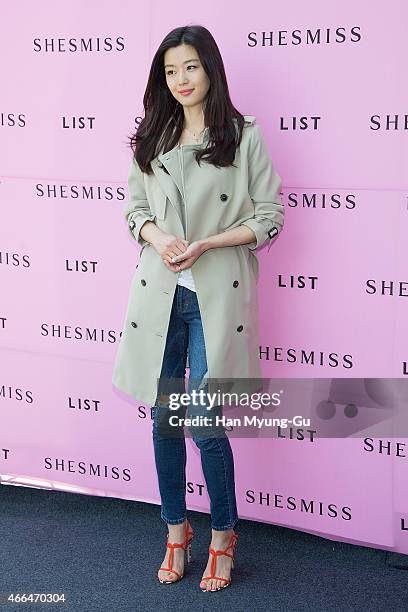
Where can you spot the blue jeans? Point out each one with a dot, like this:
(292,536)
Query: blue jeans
(186,332)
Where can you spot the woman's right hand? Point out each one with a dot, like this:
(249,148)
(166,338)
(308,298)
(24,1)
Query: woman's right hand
(168,246)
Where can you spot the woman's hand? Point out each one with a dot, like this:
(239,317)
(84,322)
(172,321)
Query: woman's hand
(188,257)
(171,247)
(168,246)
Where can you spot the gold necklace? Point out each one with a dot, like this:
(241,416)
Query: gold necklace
(196,138)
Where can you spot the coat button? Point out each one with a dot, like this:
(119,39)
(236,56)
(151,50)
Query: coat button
(142,280)
(223,197)
(160,164)
(240,328)
(133,324)
(235,284)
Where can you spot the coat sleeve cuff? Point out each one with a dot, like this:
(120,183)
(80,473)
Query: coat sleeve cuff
(136,221)
(137,209)
(265,232)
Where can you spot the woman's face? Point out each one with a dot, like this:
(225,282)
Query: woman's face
(184,71)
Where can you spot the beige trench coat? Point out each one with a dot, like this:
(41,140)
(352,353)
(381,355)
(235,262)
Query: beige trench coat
(218,199)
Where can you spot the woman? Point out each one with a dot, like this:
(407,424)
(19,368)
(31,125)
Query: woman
(203,197)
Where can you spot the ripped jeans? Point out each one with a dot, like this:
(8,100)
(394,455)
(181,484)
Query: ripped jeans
(186,332)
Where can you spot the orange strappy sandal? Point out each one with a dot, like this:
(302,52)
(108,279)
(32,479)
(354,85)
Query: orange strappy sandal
(188,537)
(217,553)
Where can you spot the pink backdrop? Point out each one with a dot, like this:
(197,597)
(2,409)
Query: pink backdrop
(67,260)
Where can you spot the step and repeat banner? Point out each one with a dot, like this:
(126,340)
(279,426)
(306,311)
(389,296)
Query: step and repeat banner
(326,84)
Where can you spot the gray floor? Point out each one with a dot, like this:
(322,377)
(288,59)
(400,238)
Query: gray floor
(104,554)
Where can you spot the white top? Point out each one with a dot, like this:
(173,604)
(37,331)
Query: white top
(185,276)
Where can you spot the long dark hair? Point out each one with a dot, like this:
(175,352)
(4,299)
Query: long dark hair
(162,124)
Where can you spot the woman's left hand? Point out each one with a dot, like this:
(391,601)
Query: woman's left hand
(185,260)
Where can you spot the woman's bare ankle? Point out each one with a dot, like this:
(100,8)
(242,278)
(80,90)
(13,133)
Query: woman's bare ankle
(177,531)
(221,536)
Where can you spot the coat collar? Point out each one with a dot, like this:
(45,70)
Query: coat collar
(162,157)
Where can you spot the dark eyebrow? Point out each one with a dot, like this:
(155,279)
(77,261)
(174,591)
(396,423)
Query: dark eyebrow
(186,62)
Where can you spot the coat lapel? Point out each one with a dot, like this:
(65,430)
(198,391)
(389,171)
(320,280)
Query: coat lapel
(171,183)
(168,182)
